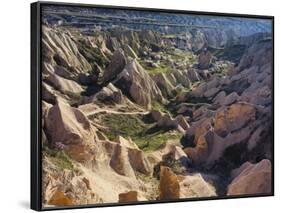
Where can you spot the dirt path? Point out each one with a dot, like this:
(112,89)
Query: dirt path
(93,110)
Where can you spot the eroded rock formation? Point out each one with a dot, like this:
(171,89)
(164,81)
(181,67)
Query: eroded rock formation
(133,115)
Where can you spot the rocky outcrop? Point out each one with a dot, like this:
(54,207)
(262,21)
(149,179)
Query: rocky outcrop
(60,199)
(117,64)
(60,48)
(169,187)
(198,41)
(193,75)
(129,51)
(64,187)
(170,152)
(231,125)
(257,54)
(64,85)
(131,196)
(194,185)
(204,59)
(156,115)
(167,122)
(48,93)
(233,118)
(66,124)
(207,89)
(110,94)
(164,84)
(137,83)
(251,179)
(230,99)
(126,158)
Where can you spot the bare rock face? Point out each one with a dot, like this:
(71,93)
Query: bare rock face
(119,161)
(166,121)
(233,117)
(194,185)
(171,151)
(199,153)
(231,98)
(136,82)
(198,41)
(48,93)
(169,187)
(205,59)
(59,47)
(60,199)
(219,98)
(211,92)
(164,84)
(182,77)
(129,51)
(207,89)
(130,196)
(156,115)
(126,158)
(251,179)
(66,124)
(117,64)
(110,94)
(64,85)
(210,146)
(193,75)
(63,187)
(257,54)
(181,120)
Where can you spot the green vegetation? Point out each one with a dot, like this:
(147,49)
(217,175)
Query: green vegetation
(93,55)
(162,108)
(165,65)
(159,69)
(147,136)
(124,125)
(222,68)
(169,36)
(152,142)
(62,160)
(232,53)
(59,158)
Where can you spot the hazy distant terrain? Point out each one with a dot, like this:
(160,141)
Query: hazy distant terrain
(141,106)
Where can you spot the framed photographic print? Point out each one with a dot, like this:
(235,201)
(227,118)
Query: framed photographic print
(138,106)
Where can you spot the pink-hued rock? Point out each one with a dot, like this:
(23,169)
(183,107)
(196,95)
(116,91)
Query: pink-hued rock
(251,179)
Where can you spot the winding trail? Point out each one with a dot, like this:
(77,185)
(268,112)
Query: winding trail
(89,110)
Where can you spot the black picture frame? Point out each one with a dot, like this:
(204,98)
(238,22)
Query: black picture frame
(36,159)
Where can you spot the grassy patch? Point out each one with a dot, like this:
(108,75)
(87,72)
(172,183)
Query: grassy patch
(59,158)
(155,70)
(152,142)
(62,160)
(169,36)
(147,136)
(93,55)
(162,68)
(160,107)
(124,125)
